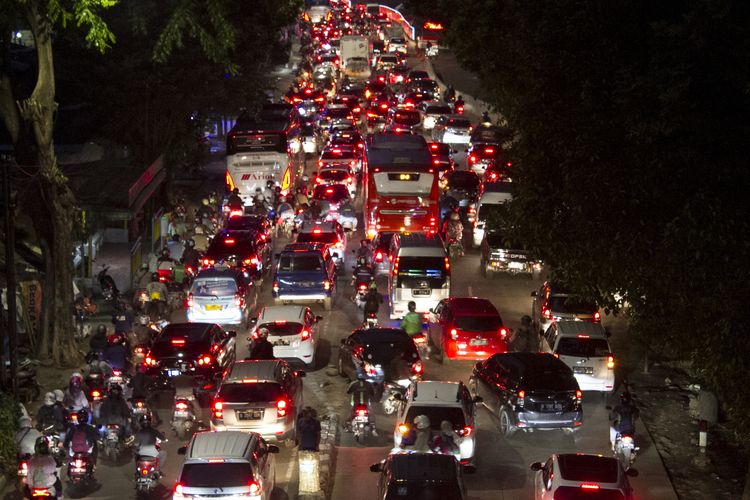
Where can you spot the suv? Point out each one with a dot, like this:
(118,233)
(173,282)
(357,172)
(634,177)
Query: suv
(481,155)
(553,303)
(263,396)
(440,401)
(245,250)
(528,391)
(305,272)
(579,475)
(328,233)
(222,295)
(403,120)
(452,129)
(466,328)
(382,354)
(203,349)
(420,475)
(293,331)
(502,255)
(584,347)
(226,465)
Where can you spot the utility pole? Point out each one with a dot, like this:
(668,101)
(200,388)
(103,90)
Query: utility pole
(10,277)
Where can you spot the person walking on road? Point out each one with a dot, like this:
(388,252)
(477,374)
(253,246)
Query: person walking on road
(308,428)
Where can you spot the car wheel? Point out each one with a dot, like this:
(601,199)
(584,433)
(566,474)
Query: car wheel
(327,303)
(507,429)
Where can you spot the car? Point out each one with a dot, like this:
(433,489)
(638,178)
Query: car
(244,250)
(339,155)
(326,232)
(305,139)
(293,331)
(263,396)
(397,74)
(201,349)
(500,254)
(466,328)
(333,194)
(351,101)
(497,171)
(463,186)
(420,475)
(481,155)
(381,354)
(581,476)
(584,347)
(425,86)
(351,87)
(553,302)
(222,295)
(230,464)
(336,113)
(439,401)
(442,157)
(411,100)
(337,175)
(526,390)
(491,207)
(403,120)
(491,134)
(452,129)
(417,74)
(430,111)
(374,88)
(381,245)
(258,223)
(305,272)
(385,61)
(396,44)
(350,138)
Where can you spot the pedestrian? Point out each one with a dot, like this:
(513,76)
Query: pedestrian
(308,428)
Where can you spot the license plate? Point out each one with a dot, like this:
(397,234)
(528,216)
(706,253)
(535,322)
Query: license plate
(585,370)
(174,372)
(421,293)
(478,342)
(515,265)
(115,380)
(281,342)
(250,415)
(551,407)
(213,307)
(139,411)
(180,413)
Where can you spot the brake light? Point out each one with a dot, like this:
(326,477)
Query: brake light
(472,159)
(326,285)
(205,360)
(305,334)
(149,361)
(40,492)
(229,241)
(579,394)
(254,488)
(189,301)
(454,333)
(589,486)
(467,431)
(96,394)
(582,336)
(78,463)
(238,301)
(276,287)
(178,341)
(361,411)
(139,404)
(218,410)
(318,180)
(547,313)
(320,163)
(611,362)
(417,368)
(329,191)
(597,316)
(383,106)
(281,408)
(181,406)
(379,256)
(520,396)
(140,349)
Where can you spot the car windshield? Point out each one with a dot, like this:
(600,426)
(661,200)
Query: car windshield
(423,490)
(329,238)
(478,323)
(591,468)
(436,414)
(243,223)
(281,328)
(334,175)
(213,287)
(338,112)
(582,347)
(300,262)
(490,211)
(249,392)
(422,267)
(219,475)
(579,493)
(570,304)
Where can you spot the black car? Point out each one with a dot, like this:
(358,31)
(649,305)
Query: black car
(527,391)
(381,354)
(201,349)
(246,250)
(500,254)
(463,185)
(420,476)
(259,223)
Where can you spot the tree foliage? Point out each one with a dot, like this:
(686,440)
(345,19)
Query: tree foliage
(633,123)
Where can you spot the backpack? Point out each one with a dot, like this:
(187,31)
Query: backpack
(80,442)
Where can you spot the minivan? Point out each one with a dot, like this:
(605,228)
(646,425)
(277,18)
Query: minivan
(305,272)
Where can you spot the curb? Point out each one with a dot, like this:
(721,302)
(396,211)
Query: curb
(329,429)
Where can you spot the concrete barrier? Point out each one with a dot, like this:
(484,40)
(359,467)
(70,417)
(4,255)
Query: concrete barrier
(329,428)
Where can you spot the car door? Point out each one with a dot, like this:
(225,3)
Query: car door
(346,357)
(500,383)
(222,345)
(263,466)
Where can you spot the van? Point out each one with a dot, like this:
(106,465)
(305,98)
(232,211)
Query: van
(420,272)
(491,199)
(584,347)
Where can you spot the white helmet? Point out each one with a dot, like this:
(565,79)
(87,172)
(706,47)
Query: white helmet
(421,422)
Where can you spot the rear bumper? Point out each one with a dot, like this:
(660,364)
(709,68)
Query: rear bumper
(232,315)
(304,352)
(301,297)
(270,432)
(599,384)
(461,350)
(537,420)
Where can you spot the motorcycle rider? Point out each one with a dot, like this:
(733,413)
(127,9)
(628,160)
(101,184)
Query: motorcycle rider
(98,341)
(234,202)
(262,348)
(158,293)
(623,418)
(486,117)
(123,318)
(372,300)
(145,441)
(205,213)
(412,323)
(115,410)
(450,93)
(75,396)
(362,269)
(301,197)
(82,437)
(45,416)
(364,250)
(191,257)
(140,388)
(117,354)
(454,230)
(459,103)
(26,436)
(61,414)
(269,194)
(42,471)
(362,393)
(165,257)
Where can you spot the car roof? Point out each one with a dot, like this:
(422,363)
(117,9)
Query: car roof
(467,306)
(423,466)
(304,247)
(585,328)
(531,361)
(191,331)
(261,370)
(324,226)
(220,445)
(282,313)
(437,392)
(213,272)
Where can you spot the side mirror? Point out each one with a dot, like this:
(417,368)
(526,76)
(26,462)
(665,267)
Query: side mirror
(477,399)
(536,466)
(378,467)
(300,373)
(272,448)
(533,294)
(182,450)
(318,318)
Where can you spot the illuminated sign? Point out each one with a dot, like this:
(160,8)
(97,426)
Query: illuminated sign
(433,26)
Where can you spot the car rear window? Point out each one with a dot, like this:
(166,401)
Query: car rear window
(463,179)
(302,262)
(338,112)
(406,117)
(436,414)
(438,109)
(570,304)
(334,175)
(227,475)
(423,490)
(586,348)
(213,287)
(580,493)
(282,328)
(334,193)
(250,392)
(478,323)
(329,238)
(459,123)
(383,353)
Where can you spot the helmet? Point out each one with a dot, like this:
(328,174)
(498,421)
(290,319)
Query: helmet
(24,422)
(190,242)
(262,332)
(154,276)
(258,190)
(277,189)
(83,416)
(204,201)
(197,220)
(421,422)
(59,395)
(76,380)
(525,320)
(454,216)
(41,447)
(446,427)
(269,184)
(412,306)
(364,243)
(165,252)
(115,390)
(626,398)
(235,191)
(102,329)
(49,399)
(145,421)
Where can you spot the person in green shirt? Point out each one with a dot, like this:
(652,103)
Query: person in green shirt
(412,324)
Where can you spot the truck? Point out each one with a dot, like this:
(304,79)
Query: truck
(354,53)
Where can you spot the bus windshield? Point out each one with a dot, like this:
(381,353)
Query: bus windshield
(262,142)
(403,183)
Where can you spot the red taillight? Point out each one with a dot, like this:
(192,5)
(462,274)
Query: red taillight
(78,464)
(40,492)
(320,163)
(281,408)
(361,411)
(254,488)
(178,341)
(229,241)
(589,486)
(252,261)
(149,361)
(139,404)
(276,286)
(379,256)
(178,489)
(611,362)
(579,394)
(454,333)
(597,316)
(326,285)
(239,301)
(417,368)
(96,394)
(218,409)
(472,159)
(189,300)
(363,287)
(503,333)
(547,313)
(467,431)
(305,334)
(318,180)
(181,406)
(140,350)
(205,360)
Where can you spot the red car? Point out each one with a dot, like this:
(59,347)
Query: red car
(467,328)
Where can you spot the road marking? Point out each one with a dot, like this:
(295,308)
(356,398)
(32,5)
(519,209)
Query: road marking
(290,468)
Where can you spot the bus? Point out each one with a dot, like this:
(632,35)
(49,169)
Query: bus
(401,191)
(258,151)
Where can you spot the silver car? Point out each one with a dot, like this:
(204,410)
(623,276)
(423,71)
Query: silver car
(259,396)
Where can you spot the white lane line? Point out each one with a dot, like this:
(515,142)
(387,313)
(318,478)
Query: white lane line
(290,469)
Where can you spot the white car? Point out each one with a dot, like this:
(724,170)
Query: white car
(293,331)
(579,475)
(440,401)
(330,233)
(397,44)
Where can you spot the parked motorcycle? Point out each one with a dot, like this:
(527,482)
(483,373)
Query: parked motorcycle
(107,284)
(183,417)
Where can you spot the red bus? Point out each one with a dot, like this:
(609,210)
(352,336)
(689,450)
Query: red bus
(401,191)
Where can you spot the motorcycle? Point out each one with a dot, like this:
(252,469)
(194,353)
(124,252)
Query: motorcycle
(54,443)
(107,284)
(183,417)
(361,281)
(625,450)
(423,346)
(139,409)
(455,248)
(360,423)
(458,107)
(111,444)
(147,475)
(80,471)
(371,321)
